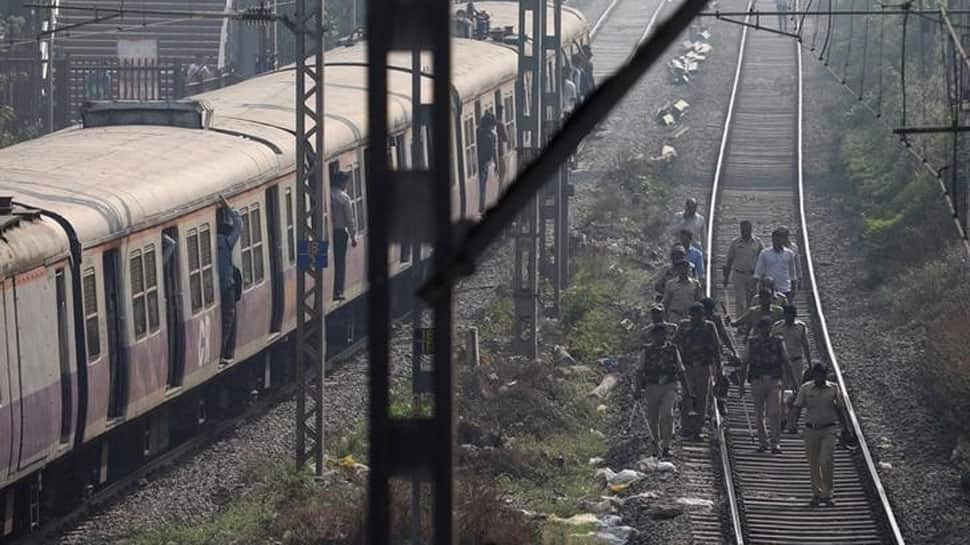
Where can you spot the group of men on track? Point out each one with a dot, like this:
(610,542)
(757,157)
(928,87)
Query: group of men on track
(688,341)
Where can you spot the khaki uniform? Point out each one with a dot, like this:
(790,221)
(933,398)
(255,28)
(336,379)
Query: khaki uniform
(668,274)
(678,296)
(669,326)
(794,337)
(700,350)
(657,378)
(821,416)
(766,362)
(750,318)
(742,257)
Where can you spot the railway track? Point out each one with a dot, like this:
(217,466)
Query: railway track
(759,177)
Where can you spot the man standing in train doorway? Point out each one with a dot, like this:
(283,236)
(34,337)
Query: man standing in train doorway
(822,402)
(766,366)
(228,229)
(344,230)
(742,257)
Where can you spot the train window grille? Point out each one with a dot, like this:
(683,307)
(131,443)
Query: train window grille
(251,246)
(509,114)
(92,331)
(201,290)
(357,199)
(471,156)
(144,291)
(290,234)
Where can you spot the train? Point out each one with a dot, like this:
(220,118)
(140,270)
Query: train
(110,295)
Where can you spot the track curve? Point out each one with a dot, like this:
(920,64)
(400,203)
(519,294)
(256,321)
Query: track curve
(759,178)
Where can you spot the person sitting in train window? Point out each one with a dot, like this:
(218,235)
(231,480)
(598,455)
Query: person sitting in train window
(487,141)
(230,281)
(344,229)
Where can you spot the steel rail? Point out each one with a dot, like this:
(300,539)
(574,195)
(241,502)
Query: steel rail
(719,422)
(602,19)
(823,325)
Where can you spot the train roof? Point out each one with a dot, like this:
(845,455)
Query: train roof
(108,181)
(506,14)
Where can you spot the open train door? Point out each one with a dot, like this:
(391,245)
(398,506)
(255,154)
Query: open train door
(174,321)
(275,258)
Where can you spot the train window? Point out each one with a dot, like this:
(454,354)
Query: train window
(195,273)
(251,246)
(356,192)
(205,250)
(509,114)
(471,159)
(151,288)
(256,223)
(290,234)
(92,332)
(201,288)
(136,271)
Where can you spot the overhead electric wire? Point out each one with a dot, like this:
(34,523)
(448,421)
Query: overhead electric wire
(828,37)
(902,69)
(848,48)
(865,60)
(882,58)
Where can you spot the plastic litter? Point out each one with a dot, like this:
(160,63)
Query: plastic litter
(563,356)
(696,502)
(885,465)
(619,481)
(595,461)
(607,384)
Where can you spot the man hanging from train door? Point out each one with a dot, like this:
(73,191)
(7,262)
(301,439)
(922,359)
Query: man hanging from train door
(230,280)
(344,229)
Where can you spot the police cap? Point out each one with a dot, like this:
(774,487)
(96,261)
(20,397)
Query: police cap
(696,308)
(765,322)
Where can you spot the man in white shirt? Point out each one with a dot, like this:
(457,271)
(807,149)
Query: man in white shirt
(778,262)
(344,229)
(691,220)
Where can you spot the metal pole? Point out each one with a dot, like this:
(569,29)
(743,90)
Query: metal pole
(416,448)
(551,228)
(312,232)
(529,107)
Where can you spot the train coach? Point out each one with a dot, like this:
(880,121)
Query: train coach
(110,312)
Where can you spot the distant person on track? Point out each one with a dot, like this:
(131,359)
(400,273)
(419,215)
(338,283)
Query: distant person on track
(230,281)
(764,309)
(787,243)
(694,255)
(766,367)
(678,254)
(700,350)
(656,383)
(344,230)
(680,293)
(657,321)
(778,262)
(742,257)
(691,220)
(823,406)
(795,334)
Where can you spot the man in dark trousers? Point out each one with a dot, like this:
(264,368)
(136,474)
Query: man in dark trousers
(230,284)
(344,230)
(700,350)
(766,366)
(656,383)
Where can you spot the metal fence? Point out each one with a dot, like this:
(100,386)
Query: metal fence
(76,81)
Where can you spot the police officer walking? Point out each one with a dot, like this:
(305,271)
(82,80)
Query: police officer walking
(741,259)
(657,320)
(680,293)
(765,308)
(795,334)
(822,402)
(700,350)
(765,366)
(656,383)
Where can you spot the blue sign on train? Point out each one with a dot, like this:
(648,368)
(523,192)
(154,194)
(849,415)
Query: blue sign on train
(311,254)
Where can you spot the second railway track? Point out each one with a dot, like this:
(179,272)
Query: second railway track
(759,178)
